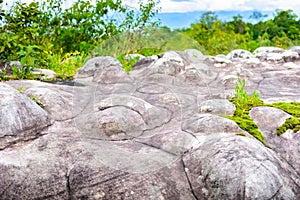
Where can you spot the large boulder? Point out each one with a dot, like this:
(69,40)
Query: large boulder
(21,119)
(255,172)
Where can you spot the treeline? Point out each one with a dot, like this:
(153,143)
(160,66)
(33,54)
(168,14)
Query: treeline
(50,36)
(218,37)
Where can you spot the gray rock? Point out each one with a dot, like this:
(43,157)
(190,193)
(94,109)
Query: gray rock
(111,74)
(133,56)
(205,124)
(217,106)
(239,53)
(21,119)
(290,56)
(253,62)
(268,120)
(295,49)
(45,74)
(255,172)
(95,64)
(7,68)
(155,133)
(291,65)
(274,57)
(193,56)
(221,61)
(170,63)
(54,102)
(268,50)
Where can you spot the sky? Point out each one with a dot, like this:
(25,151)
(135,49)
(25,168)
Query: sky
(209,5)
(216,5)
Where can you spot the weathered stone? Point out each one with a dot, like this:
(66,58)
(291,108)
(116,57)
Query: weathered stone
(268,120)
(21,119)
(295,49)
(45,74)
(252,172)
(54,102)
(291,65)
(239,53)
(8,68)
(290,56)
(193,56)
(217,106)
(253,62)
(155,133)
(205,124)
(97,64)
(268,50)
(221,61)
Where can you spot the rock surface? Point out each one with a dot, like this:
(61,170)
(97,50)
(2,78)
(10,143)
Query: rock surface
(156,133)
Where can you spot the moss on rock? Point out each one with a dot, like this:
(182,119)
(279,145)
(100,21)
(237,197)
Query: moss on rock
(292,123)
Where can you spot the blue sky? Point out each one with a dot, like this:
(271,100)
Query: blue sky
(216,5)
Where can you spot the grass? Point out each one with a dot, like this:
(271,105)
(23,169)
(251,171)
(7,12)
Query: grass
(244,103)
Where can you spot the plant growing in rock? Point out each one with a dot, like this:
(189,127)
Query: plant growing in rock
(244,103)
(37,100)
(292,123)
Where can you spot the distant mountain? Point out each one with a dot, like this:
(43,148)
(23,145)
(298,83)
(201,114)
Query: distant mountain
(184,20)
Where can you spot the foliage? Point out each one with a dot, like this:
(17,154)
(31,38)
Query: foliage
(292,123)
(150,41)
(46,35)
(38,101)
(244,103)
(218,37)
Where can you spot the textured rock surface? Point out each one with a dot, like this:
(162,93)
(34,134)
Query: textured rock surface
(156,133)
(21,119)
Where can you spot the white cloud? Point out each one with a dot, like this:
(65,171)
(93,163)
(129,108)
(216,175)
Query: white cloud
(196,5)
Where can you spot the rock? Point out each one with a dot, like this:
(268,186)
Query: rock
(193,56)
(45,74)
(217,106)
(144,62)
(290,56)
(7,68)
(261,50)
(270,54)
(170,63)
(21,119)
(239,53)
(134,56)
(268,120)
(97,64)
(252,173)
(291,65)
(274,57)
(206,124)
(158,132)
(152,115)
(111,74)
(54,102)
(221,61)
(295,49)
(253,62)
